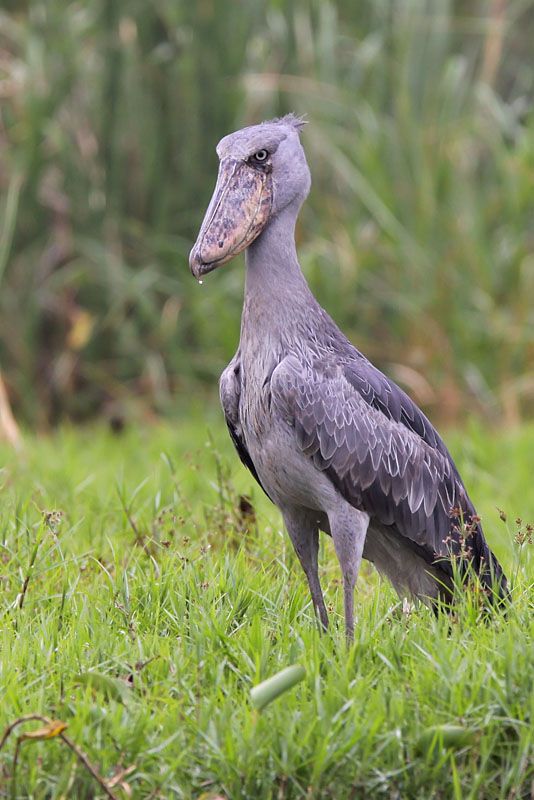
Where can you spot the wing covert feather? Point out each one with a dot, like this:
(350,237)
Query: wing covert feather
(355,430)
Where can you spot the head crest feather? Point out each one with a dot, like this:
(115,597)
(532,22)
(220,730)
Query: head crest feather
(296,121)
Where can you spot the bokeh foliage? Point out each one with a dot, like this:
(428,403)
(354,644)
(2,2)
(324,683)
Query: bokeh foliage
(418,235)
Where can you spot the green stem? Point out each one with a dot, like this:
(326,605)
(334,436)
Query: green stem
(10,216)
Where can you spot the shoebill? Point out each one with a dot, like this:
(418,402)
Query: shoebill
(333,442)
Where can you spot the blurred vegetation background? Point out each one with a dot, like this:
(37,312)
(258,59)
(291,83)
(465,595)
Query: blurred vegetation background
(418,236)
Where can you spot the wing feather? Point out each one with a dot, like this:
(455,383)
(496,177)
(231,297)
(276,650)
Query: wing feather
(229,391)
(379,450)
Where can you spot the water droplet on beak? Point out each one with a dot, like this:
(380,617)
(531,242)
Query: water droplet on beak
(200,282)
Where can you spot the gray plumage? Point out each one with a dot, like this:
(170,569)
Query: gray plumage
(331,440)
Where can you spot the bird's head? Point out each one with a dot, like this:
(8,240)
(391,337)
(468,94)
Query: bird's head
(262,170)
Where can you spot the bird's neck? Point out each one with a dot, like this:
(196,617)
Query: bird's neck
(276,291)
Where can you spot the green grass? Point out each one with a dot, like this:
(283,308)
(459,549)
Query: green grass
(152,576)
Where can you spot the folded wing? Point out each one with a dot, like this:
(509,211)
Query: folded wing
(381,453)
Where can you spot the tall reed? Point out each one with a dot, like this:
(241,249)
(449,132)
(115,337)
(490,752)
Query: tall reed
(417,236)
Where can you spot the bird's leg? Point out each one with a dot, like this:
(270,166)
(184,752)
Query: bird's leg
(349,529)
(303,531)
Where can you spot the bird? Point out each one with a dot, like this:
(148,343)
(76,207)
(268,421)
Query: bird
(332,441)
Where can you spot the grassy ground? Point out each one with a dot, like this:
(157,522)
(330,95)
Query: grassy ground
(147,576)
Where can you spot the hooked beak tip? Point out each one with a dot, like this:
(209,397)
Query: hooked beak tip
(196,265)
(199,267)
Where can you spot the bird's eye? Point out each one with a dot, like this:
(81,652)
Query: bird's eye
(260,157)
